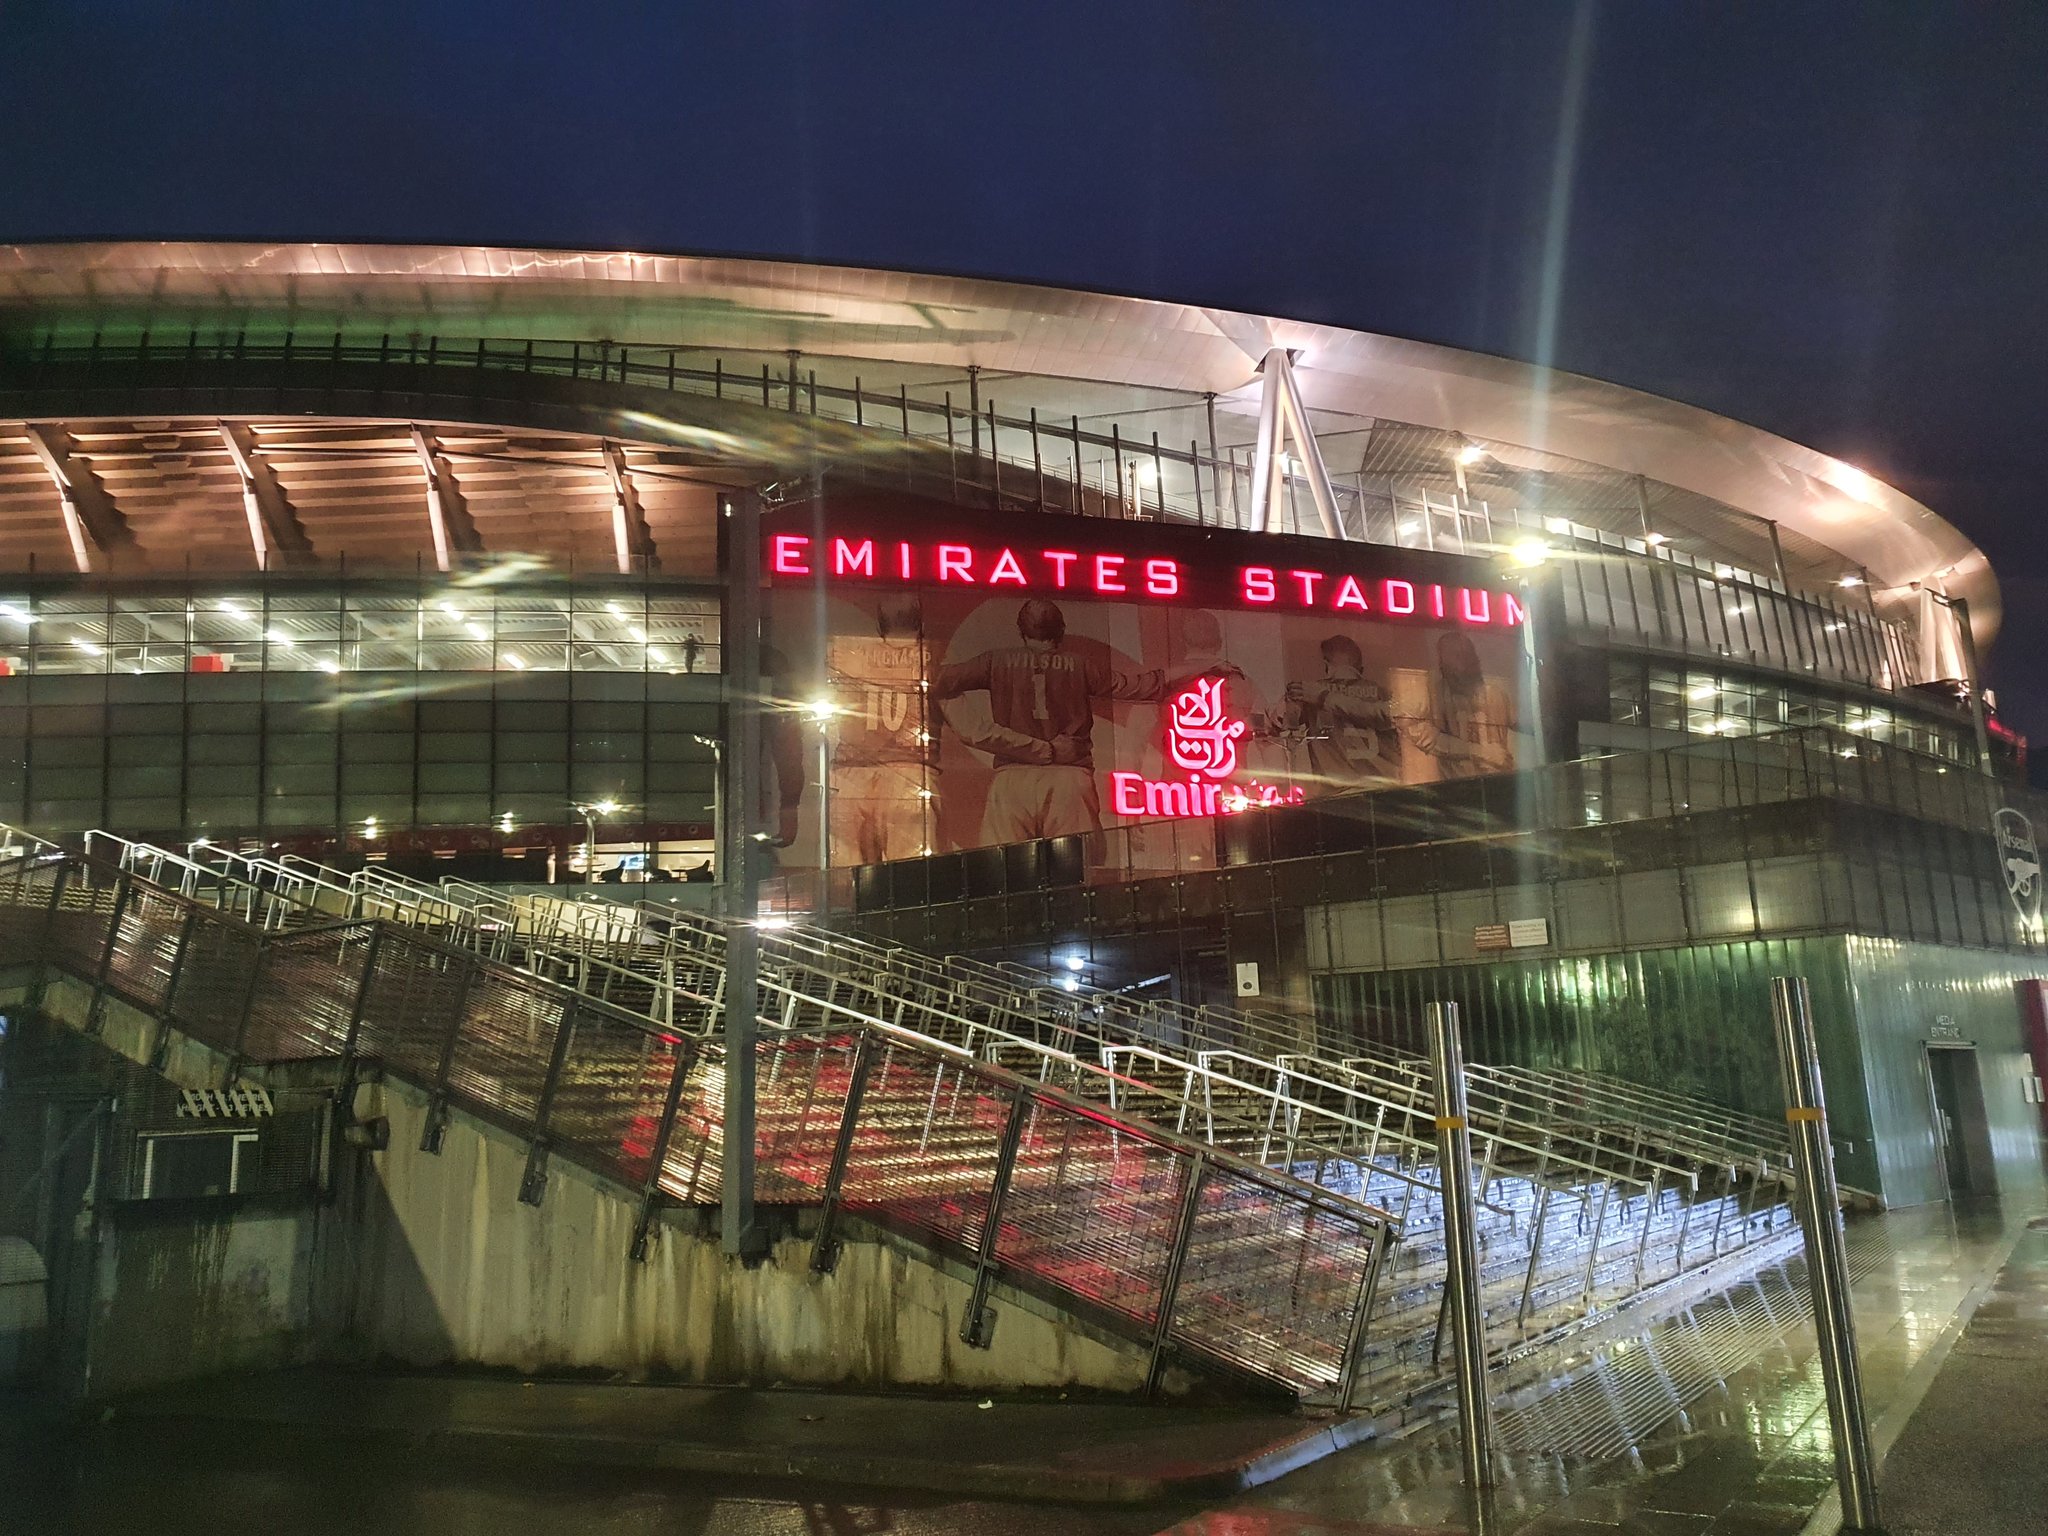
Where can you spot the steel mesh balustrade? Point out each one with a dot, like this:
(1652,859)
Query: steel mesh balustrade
(1174,1241)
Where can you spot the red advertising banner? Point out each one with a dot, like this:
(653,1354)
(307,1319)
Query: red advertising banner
(1011,690)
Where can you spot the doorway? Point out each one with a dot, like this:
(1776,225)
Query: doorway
(1962,1131)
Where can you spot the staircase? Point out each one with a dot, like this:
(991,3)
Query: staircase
(1217,1184)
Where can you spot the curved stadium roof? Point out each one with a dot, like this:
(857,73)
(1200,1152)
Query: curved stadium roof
(1600,454)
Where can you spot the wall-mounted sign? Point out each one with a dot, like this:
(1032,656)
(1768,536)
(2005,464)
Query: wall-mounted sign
(1130,575)
(1945,1029)
(960,679)
(1201,737)
(1520,933)
(2020,860)
(1247,978)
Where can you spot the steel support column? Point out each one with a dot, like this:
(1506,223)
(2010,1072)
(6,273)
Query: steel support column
(1827,1270)
(657,1159)
(1282,415)
(274,531)
(1466,1311)
(533,1184)
(825,1250)
(1176,1264)
(92,523)
(978,1326)
(447,511)
(739,858)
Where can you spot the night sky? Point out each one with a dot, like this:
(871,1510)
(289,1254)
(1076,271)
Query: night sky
(1829,220)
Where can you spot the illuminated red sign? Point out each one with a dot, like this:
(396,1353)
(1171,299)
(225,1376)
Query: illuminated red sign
(1201,737)
(1129,576)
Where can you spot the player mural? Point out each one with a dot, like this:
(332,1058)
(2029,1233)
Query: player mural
(957,713)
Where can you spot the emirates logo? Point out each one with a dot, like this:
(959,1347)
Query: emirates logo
(1202,735)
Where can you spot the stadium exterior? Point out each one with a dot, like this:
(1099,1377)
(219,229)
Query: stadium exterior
(1157,645)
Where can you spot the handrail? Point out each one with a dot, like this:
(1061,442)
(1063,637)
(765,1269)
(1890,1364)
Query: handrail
(368,969)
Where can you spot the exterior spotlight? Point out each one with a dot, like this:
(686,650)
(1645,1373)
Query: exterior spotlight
(1075,962)
(1530,552)
(1471,453)
(1850,581)
(1654,539)
(822,709)
(605,807)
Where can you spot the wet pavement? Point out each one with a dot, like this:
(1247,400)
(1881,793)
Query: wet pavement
(1744,1452)
(219,1479)
(1081,1451)
(1973,1461)
(1720,1410)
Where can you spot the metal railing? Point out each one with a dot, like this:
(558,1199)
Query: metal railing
(1058,465)
(1200,1255)
(1576,1211)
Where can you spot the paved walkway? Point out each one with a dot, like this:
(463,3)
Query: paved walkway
(1973,1460)
(1081,1452)
(1741,1445)
(1749,1455)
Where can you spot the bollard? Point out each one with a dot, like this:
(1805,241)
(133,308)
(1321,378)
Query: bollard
(1827,1271)
(1462,1311)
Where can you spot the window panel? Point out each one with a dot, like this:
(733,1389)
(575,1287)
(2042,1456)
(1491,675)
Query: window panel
(301,749)
(443,778)
(454,810)
(66,751)
(377,778)
(532,747)
(156,780)
(282,812)
(299,779)
(455,746)
(534,778)
(211,750)
(615,747)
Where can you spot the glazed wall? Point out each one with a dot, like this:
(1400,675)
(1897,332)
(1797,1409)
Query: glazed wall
(273,754)
(1697,1019)
(1903,996)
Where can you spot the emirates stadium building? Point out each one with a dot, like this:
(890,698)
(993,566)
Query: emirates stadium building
(1144,645)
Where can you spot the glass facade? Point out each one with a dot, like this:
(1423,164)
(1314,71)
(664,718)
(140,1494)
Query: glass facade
(1804,831)
(1696,1019)
(314,711)
(1662,696)
(1632,592)
(446,625)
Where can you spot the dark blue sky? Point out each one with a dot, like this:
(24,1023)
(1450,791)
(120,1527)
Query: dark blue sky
(1831,220)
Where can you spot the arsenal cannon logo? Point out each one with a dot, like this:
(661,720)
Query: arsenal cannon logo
(2021,861)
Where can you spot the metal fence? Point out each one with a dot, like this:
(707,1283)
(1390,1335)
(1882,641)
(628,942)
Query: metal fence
(1640,584)
(1197,1253)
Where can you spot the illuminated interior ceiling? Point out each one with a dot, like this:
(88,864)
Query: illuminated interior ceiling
(1149,366)
(161,495)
